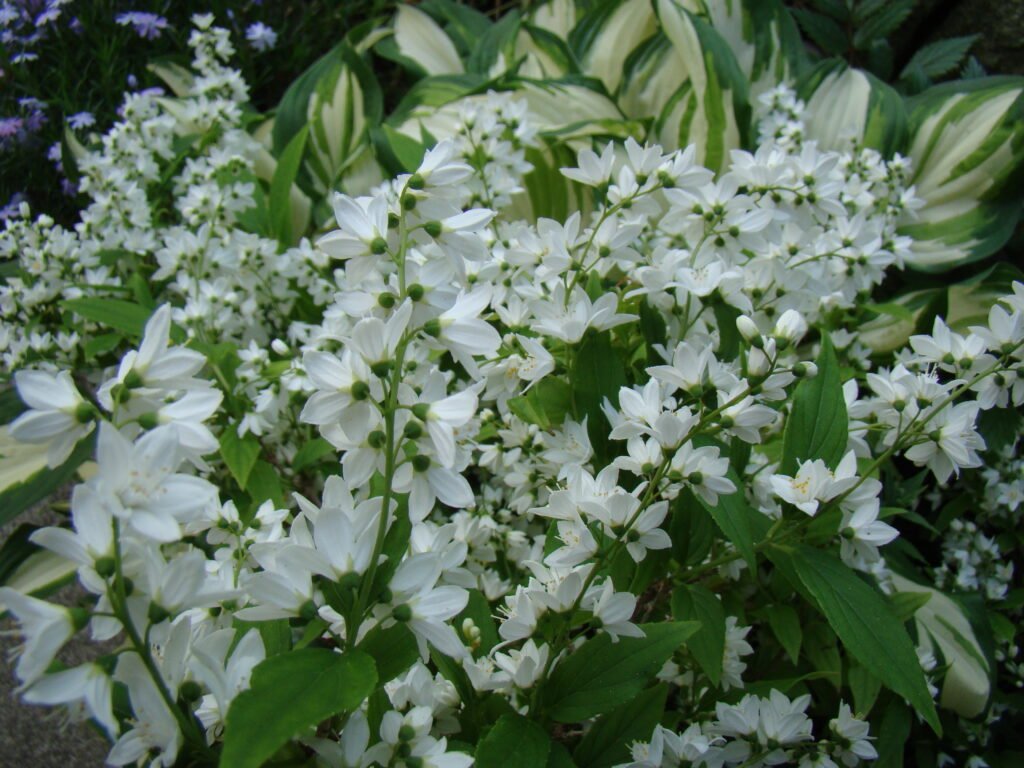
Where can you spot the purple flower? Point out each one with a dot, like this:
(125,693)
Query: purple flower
(13,208)
(11,127)
(148,26)
(81,120)
(260,36)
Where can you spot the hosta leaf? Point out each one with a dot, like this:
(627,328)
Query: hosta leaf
(19,496)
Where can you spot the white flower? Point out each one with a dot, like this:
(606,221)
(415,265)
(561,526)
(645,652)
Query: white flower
(362,227)
(525,665)
(93,536)
(852,734)
(154,731)
(87,683)
(810,487)
(612,611)
(568,321)
(138,483)
(951,443)
(426,608)
(45,628)
(225,675)
(862,533)
(58,414)
(156,368)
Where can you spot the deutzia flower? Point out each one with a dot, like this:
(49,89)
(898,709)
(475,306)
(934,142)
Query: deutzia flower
(45,628)
(153,730)
(138,483)
(425,608)
(87,683)
(811,486)
(852,735)
(58,414)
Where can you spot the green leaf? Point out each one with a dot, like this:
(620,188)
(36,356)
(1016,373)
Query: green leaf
(817,427)
(607,742)
(239,453)
(906,604)
(281,189)
(11,406)
(16,550)
(559,756)
(265,483)
(393,649)
(406,152)
(690,529)
(865,688)
(290,694)
(16,498)
(865,623)
(696,603)
(600,675)
(941,57)
(514,742)
(825,32)
(737,520)
(310,453)
(599,372)
(124,316)
(893,735)
(883,23)
(785,623)
(545,405)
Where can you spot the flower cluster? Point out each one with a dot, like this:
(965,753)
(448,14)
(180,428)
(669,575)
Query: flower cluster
(458,472)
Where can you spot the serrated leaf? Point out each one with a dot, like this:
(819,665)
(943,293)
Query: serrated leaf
(290,693)
(608,740)
(823,31)
(867,627)
(514,742)
(883,23)
(941,57)
(817,427)
(695,603)
(600,675)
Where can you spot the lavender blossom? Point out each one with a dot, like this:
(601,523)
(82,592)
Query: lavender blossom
(148,26)
(261,36)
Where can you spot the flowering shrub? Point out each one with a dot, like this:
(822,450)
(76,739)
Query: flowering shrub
(553,447)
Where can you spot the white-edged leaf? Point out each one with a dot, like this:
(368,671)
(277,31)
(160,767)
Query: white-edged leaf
(423,42)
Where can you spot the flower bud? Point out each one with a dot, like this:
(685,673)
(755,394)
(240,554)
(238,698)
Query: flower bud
(749,331)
